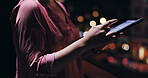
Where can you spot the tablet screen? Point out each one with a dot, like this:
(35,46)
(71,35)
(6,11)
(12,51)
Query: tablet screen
(123,25)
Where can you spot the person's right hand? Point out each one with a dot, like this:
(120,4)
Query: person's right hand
(96,36)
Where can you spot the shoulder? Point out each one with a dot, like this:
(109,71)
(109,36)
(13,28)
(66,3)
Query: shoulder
(22,9)
(26,9)
(28,5)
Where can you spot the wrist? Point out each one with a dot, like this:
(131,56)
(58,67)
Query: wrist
(85,42)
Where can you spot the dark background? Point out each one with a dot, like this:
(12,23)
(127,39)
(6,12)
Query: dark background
(107,8)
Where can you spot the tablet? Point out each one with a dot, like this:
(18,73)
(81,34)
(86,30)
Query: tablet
(125,25)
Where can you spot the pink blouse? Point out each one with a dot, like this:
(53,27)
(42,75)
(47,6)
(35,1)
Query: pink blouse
(38,33)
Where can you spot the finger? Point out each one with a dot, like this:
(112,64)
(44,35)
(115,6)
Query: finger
(118,35)
(110,22)
(107,29)
(121,33)
(110,33)
(112,36)
(101,33)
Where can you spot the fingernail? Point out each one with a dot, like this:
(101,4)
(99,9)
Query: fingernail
(116,20)
(114,36)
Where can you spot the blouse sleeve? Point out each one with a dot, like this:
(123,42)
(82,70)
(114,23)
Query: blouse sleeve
(32,38)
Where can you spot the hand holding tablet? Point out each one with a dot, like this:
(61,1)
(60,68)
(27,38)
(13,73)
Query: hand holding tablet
(124,26)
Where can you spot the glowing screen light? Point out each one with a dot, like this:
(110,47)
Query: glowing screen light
(125,47)
(141,53)
(103,20)
(92,23)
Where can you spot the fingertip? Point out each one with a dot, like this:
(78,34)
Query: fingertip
(115,20)
(102,31)
(109,22)
(114,36)
(98,26)
(110,33)
(121,33)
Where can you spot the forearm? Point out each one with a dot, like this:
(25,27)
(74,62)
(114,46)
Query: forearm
(71,52)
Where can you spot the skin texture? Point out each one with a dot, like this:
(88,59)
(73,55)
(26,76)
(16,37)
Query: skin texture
(95,38)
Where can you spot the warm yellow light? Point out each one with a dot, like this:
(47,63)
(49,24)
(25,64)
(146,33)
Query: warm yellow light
(92,23)
(80,18)
(95,13)
(103,20)
(125,47)
(147,60)
(141,53)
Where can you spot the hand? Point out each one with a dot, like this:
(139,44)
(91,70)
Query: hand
(96,36)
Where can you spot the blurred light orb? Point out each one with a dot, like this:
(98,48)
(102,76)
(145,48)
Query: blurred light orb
(135,65)
(95,14)
(125,47)
(103,20)
(111,59)
(147,60)
(141,53)
(92,23)
(80,18)
(124,61)
(146,53)
(61,1)
(112,46)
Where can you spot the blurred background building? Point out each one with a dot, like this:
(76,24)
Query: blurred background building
(127,57)
(139,8)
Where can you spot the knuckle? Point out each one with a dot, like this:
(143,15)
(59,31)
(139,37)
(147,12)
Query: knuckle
(102,31)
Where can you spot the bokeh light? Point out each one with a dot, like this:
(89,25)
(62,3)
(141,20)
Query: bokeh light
(135,65)
(124,61)
(147,61)
(141,53)
(112,46)
(95,14)
(125,47)
(103,20)
(92,23)
(80,18)
(111,59)
(146,53)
